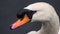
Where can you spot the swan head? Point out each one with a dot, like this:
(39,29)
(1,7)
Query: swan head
(30,13)
(38,6)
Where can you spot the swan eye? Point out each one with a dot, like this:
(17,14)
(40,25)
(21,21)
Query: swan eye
(20,16)
(21,13)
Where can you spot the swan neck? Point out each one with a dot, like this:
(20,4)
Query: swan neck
(48,28)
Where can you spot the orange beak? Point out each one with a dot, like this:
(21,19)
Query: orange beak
(20,22)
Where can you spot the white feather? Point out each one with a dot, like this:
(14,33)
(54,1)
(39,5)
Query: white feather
(47,15)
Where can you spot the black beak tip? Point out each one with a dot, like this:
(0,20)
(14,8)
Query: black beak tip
(11,28)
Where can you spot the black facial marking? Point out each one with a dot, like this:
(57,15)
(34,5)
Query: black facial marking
(22,12)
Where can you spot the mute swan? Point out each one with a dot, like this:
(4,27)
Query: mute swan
(40,11)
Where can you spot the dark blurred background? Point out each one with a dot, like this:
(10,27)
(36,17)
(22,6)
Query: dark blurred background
(8,11)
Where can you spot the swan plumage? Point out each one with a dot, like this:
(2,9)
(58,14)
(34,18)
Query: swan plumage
(47,15)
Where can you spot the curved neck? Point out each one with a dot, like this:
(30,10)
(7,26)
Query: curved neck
(49,28)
